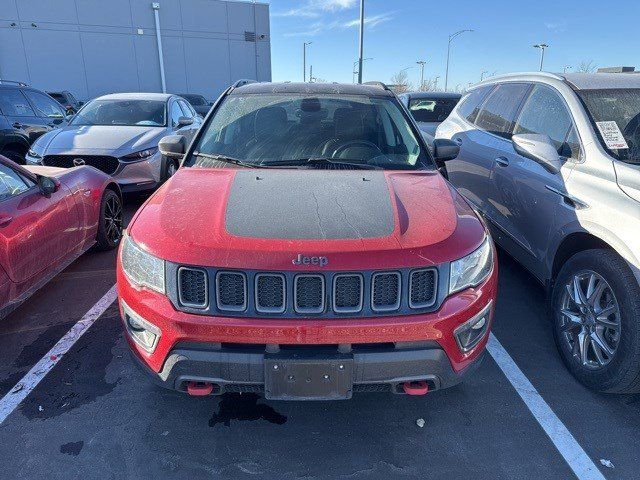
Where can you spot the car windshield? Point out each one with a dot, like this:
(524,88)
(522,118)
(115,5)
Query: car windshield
(431,109)
(298,129)
(196,100)
(150,113)
(58,97)
(616,113)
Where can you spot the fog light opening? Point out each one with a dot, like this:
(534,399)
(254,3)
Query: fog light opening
(144,333)
(469,334)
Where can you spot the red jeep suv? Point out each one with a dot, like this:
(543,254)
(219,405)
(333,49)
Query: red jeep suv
(307,248)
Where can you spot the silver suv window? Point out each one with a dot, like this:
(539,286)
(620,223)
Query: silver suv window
(500,108)
(544,112)
(470,104)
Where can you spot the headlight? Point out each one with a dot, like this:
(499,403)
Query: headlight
(473,269)
(142,268)
(132,157)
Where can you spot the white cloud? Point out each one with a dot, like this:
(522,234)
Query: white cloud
(315,8)
(370,21)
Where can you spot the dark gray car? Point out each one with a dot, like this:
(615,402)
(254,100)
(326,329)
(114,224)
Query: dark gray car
(553,162)
(198,102)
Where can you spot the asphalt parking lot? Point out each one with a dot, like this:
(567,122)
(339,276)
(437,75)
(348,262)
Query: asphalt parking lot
(94,415)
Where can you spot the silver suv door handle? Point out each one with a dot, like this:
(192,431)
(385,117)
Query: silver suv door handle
(502,161)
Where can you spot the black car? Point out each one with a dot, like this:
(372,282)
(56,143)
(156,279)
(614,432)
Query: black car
(429,109)
(25,114)
(198,102)
(67,100)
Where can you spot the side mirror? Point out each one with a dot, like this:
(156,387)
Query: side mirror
(538,148)
(184,121)
(445,149)
(172,146)
(48,186)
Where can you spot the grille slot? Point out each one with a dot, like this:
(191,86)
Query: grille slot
(231,290)
(105,163)
(385,292)
(270,292)
(348,293)
(192,287)
(422,288)
(309,293)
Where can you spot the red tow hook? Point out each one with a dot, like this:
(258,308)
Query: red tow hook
(199,389)
(416,388)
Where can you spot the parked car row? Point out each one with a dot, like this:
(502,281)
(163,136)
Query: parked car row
(298,203)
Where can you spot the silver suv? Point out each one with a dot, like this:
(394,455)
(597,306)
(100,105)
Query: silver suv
(553,163)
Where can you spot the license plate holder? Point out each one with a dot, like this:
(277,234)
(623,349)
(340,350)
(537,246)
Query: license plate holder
(308,378)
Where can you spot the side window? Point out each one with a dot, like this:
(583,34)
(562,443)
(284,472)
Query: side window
(14,104)
(470,104)
(498,112)
(176,113)
(186,111)
(545,113)
(44,105)
(11,183)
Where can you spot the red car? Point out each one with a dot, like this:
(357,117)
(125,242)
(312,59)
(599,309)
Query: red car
(48,218)
(307,248)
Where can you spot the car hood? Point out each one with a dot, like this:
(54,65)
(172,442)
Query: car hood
(246,218)
(100,140)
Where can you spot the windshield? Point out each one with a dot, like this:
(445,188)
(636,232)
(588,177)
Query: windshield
(618,113)
(431,109)
(280,129)
(150,113)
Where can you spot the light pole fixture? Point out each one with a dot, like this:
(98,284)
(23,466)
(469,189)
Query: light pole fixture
(451,37)
(422,64)
(304,60)
(361,42)
(542,47)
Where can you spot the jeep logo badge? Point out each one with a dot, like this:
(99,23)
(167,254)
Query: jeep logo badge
(78,162)
(304,260)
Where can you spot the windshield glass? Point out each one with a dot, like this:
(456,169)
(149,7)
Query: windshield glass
(431,109)
(280,129)
(197,100)
(123,113)
(621,107)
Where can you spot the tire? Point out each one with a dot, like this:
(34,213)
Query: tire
(110,221)
(14,156)
(169,168)
(606,324)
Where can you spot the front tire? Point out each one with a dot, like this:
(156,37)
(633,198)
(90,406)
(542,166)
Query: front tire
(596,316)
(110,221)
(169,168)
(14,156)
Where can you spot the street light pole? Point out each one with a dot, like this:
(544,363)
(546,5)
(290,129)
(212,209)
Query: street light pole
(451,37)
(542,47)
(435,83)
(421,63)
(304,60)
(482,74)
(361,41)
(355,64)
(567,67)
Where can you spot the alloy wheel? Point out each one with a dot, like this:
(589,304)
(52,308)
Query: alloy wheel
(113,219)
(590,319)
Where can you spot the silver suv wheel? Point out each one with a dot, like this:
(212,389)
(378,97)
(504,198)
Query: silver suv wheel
(590,319)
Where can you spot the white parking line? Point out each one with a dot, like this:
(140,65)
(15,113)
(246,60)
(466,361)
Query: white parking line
(569,448)
(23,388)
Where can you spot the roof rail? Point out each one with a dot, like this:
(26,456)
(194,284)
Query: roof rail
(13,82)
(243,81)
(521,74)
(377,84)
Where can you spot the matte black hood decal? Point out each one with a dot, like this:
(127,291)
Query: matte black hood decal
(309,204)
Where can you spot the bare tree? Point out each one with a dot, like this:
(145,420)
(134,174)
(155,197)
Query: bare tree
(587,66)
(401,82)
(429,85)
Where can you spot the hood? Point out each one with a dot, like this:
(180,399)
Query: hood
(264,219)
(100,140)
(628,178)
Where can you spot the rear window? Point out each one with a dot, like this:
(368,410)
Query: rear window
(470,103)
(431,109)
(498,112)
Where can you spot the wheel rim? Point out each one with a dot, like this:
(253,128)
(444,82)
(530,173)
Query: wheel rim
(113,219)
(590,319)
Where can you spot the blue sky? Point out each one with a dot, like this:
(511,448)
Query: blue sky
(400,32)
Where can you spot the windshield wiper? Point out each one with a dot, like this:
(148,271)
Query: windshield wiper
(322,161)
(227,159)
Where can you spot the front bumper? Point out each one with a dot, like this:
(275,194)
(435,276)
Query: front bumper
(141,175)
(241,368)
